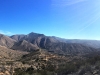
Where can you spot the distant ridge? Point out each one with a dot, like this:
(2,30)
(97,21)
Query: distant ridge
(91,43)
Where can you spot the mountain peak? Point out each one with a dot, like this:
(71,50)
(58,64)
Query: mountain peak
(35,34)
(31,33)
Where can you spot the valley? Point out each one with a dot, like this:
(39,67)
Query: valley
(37,54)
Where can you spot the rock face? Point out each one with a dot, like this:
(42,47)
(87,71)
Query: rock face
(6,41)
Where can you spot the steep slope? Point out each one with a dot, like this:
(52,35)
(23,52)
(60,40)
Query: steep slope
(18,37)
(6,41)
(6,53)
(24,46)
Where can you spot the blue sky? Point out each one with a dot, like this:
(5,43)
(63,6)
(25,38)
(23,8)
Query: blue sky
(70,19)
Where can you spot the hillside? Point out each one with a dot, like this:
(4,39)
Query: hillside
(43,56)
(24,46)
(10,54)
(6,41)
(91,43)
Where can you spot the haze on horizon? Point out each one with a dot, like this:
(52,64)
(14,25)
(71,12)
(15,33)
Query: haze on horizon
(70,19)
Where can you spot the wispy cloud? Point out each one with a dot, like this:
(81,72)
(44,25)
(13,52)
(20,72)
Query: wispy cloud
(6,32)
(71,2)
(93,20)
(66,2)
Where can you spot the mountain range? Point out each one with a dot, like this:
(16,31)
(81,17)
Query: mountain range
(47,55)
(34,41)
(91,43)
